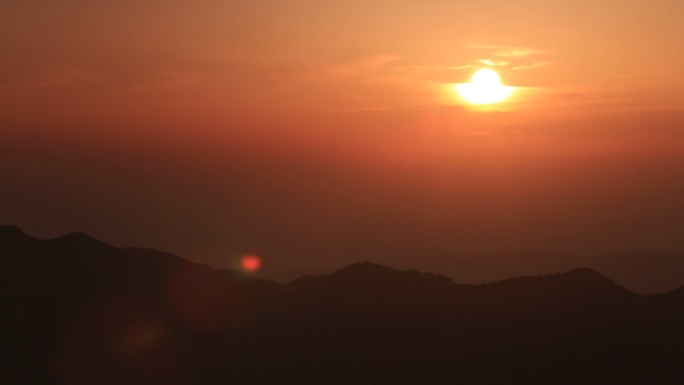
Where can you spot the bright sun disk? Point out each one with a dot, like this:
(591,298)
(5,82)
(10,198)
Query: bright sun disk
(484,88)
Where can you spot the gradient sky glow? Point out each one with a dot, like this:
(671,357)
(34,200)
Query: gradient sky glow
(316,133)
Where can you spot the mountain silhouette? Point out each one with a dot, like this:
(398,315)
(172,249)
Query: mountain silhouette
(79,311)
(645,272)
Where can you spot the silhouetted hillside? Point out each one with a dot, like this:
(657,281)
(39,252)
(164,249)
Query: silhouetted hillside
(641,272)
(79,311)
(645,272)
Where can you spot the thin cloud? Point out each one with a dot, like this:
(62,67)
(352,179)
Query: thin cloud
(427,72)
(53,77)
(516,58)
(338,71)
(501,50)
(97,78)
(530,66)
(364,63)
(516,52)
(493,63)
(166,80)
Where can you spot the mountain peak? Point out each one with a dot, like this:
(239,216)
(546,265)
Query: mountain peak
(585,272)
(10,230)
(576,283)
(587,275)
(12,234)
(590,283)
(363,277)
(364,267)
(79,239)
(78,235)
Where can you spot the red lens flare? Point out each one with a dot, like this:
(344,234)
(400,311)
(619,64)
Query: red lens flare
(251,263)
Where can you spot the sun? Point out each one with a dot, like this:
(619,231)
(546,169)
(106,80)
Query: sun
(484,88)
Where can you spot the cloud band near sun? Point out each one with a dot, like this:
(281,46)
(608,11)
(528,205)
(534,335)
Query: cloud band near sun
(515,58)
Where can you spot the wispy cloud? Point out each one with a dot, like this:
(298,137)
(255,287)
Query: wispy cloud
(516,52)
(165,80)
(501,51)
(516,58)
(494,63)
(336,71)
(369,62)
(73,77)
(533,65)
(50,77)
(431,73)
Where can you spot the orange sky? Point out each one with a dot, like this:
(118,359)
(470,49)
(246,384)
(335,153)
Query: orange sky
(293,128)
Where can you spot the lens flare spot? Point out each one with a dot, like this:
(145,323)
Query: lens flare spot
(251,263)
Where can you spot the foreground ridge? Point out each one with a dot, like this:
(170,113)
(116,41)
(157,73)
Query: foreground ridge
(84,314)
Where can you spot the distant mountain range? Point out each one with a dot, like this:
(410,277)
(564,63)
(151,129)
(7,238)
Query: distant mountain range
(644,272)
(78,311)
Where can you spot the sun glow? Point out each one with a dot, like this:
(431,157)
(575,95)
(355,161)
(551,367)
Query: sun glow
(484,88)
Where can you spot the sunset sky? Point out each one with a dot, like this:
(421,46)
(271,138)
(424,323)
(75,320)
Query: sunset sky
(318,133)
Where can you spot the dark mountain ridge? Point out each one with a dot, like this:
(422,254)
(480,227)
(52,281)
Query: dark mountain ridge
(79,311)
(645,272)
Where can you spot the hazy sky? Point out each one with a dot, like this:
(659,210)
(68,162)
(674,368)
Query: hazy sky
(316,133)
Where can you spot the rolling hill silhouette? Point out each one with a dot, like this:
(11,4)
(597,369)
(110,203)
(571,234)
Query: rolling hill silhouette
(644,272)
(79,311)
